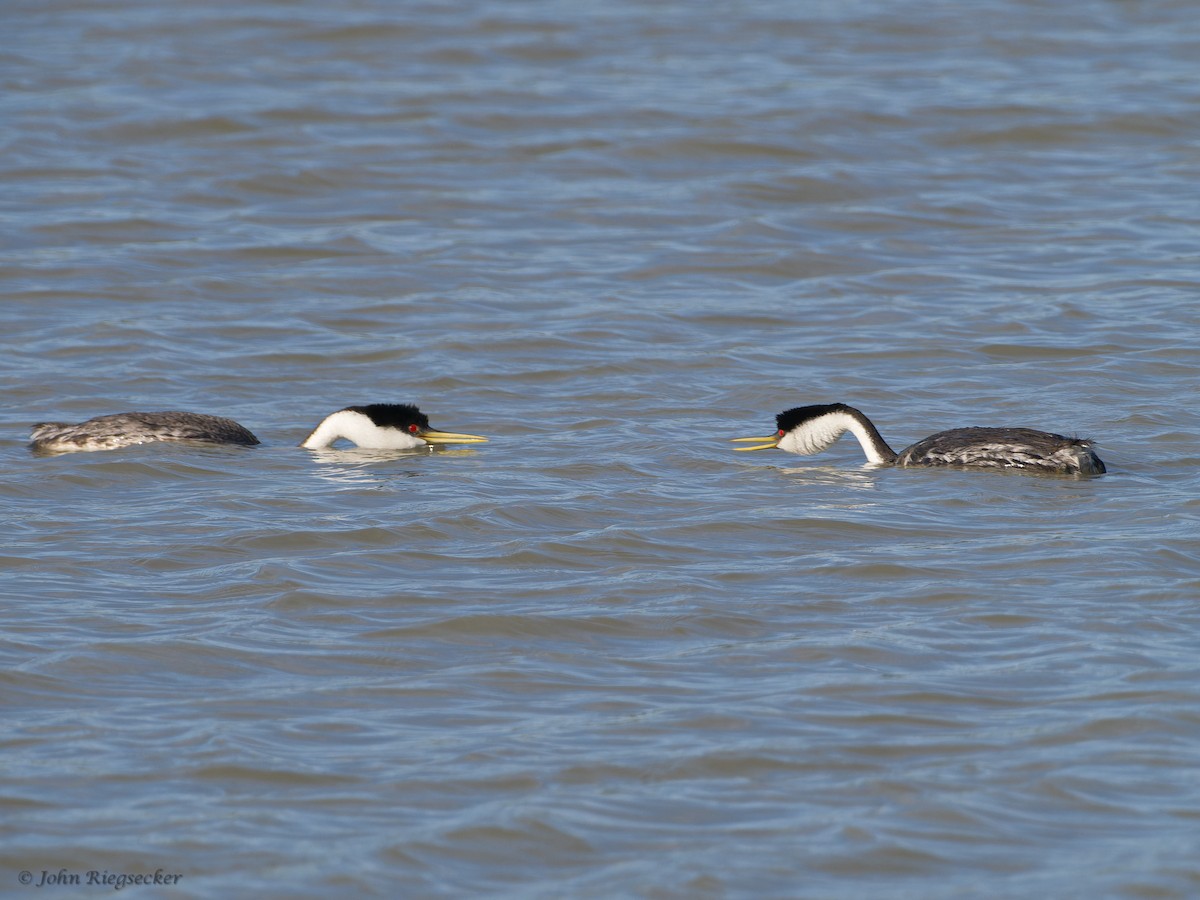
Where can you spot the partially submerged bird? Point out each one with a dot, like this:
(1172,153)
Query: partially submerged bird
(383,426)
(810,429)
(377,426)
(125,429)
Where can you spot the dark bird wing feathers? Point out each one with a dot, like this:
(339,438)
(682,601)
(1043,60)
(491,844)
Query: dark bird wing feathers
(1017,448)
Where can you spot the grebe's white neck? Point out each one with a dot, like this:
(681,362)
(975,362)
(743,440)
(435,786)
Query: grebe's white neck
(810,429)
(358,428)
(812,435)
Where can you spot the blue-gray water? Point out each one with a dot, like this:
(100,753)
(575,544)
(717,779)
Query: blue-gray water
(601,655)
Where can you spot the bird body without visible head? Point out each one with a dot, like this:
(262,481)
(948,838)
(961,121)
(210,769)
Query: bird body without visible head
(127,429)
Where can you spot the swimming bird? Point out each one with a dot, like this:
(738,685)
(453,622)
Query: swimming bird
(383,426)
(125,429)
(810,429)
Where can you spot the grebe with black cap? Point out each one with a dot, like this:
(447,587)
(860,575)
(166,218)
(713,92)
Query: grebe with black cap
(810,429)
(377,426)
(383,426)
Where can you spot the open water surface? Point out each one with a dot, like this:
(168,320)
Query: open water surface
(601,655)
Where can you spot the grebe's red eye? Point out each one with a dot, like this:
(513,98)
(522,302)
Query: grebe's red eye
(413,429)
(780,433)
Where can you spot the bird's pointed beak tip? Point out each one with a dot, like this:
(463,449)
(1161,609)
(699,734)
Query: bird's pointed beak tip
(450,437)
(761,443)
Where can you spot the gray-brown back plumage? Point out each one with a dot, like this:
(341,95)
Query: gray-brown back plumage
(126,429)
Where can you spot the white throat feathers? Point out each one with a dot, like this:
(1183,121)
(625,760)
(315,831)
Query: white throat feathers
(811,429)
(357,427)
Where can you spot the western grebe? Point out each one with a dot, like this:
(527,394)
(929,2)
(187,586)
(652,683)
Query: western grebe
(126,429)
(377,426)
(810,429)
(383,426)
